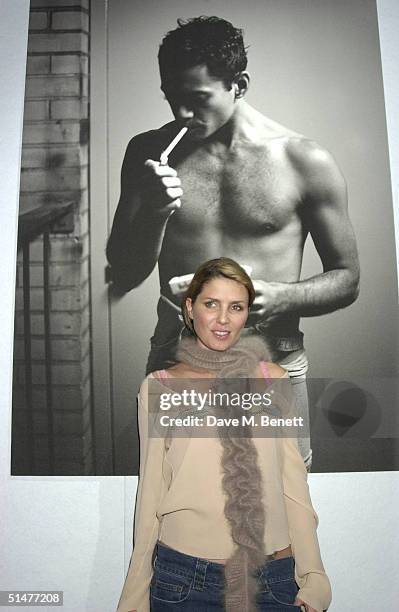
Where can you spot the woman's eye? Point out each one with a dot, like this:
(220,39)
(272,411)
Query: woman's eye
(237,307)
(209,304)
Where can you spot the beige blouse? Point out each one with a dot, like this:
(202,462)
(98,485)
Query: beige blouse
(178,501)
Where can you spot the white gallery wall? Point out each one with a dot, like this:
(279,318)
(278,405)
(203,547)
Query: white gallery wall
(74,534)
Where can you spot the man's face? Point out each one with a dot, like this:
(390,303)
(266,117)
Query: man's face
(200,101)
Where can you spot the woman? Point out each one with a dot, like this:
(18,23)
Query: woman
(224,522)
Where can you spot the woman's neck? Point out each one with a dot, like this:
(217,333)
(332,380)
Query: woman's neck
(239,360)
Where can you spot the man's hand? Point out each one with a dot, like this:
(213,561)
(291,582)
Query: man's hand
(161,187)
(268,301)
(299,602)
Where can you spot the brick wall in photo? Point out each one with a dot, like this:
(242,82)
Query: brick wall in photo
(55,170)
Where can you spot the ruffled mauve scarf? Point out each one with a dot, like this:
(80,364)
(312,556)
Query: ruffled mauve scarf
(242,479)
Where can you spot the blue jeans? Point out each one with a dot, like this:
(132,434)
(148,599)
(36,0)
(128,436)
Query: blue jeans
(192,584)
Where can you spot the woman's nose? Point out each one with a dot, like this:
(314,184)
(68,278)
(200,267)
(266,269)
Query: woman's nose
(223,315)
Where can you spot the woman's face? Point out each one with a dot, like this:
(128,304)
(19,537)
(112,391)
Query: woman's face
(219,313)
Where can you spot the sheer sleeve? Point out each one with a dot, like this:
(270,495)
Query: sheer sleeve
(313,582)
(151,488)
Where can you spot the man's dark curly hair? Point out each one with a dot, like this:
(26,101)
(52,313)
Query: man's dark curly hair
(205,40)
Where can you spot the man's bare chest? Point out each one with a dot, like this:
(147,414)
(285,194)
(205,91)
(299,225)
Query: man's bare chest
(246,193)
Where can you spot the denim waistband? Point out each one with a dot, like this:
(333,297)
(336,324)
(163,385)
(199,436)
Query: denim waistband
(292,342)
(273,570)
(187,565)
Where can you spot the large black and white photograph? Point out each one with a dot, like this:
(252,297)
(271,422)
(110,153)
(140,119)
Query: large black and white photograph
(158,136)
(199,277)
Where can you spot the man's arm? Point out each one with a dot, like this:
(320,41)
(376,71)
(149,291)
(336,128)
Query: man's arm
(324,213)
(149,195)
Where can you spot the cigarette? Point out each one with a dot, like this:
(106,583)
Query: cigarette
(163,160)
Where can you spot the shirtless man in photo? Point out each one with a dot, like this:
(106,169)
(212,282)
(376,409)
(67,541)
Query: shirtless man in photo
(238,185)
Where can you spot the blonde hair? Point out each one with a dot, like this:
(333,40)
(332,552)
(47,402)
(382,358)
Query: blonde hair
(215,268)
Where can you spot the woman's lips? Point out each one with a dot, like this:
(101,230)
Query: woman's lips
(221,334)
